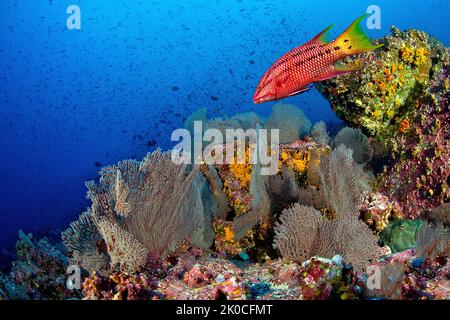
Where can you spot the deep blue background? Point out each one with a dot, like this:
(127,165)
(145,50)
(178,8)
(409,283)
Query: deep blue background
(73,100)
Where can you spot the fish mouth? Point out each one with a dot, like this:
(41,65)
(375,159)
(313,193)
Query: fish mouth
(259,98)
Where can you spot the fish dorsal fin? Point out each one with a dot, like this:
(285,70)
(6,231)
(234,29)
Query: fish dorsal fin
(304,89)
(320,39)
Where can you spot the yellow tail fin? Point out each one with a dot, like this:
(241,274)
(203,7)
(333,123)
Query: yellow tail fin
(354,40)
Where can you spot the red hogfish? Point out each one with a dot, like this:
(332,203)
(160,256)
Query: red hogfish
(315,61)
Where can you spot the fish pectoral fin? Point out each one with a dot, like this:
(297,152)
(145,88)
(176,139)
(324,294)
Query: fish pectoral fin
(304,89)
(336,70)
(341,68)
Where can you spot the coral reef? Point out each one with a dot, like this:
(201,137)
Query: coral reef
(401,98)
(374,197)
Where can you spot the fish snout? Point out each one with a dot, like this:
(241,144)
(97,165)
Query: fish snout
(263,94)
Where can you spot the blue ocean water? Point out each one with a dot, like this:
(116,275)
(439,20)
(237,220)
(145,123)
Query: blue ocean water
(74,100)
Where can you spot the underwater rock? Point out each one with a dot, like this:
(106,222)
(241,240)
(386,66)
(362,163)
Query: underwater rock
(383,93)
(392,277)
(290,120)
(39,273)
(377,211)
(405,276)
(119,286)
(205,279)
(401,98)
(428,281)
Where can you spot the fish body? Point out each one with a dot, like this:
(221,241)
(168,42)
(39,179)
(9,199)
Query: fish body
(400,235)
(315,61)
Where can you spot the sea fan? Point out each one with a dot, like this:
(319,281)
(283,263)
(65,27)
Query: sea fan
(357,141)
(301,234)
(296,232)
(319,133)
(152,207)
(290,120)
(432,241)
(83,241)
(342,182)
